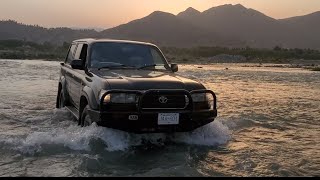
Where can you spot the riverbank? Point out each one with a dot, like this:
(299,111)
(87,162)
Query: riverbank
(308,65)
(17,49)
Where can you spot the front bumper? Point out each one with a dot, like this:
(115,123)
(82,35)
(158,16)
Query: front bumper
(147,121)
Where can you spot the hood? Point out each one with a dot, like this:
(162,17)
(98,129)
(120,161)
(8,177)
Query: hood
(146,79)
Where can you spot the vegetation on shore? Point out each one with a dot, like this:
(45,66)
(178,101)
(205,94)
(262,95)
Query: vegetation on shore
(314,68)
(18,49)
(245,55)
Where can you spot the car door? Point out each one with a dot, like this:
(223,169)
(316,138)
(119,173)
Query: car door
(67,72)
(79,75)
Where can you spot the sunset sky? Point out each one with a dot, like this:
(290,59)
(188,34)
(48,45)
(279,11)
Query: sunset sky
(110,13)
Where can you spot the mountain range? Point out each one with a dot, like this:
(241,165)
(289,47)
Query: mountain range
(227,25)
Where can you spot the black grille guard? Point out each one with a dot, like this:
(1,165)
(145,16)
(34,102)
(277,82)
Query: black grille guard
(141,95)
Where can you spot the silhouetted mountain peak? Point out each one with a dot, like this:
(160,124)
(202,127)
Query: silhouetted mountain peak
(230,25)
(160,14)
(233,12)
(239,6)
(226,8)
(157,16)
(190,12)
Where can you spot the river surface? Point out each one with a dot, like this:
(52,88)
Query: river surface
(268,125)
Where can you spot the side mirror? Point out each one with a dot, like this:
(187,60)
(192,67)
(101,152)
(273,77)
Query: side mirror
(77,64)
(174,67)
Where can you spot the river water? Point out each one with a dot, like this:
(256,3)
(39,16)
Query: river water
(268,125)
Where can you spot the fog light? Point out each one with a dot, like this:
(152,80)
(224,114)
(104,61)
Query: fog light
(133,117)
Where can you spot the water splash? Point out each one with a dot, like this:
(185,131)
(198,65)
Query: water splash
(77,138)
(213,134)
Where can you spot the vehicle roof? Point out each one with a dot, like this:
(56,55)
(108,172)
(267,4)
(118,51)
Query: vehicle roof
(92,40)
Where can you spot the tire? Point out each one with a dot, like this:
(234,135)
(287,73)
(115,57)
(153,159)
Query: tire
(62,100)
(85,118)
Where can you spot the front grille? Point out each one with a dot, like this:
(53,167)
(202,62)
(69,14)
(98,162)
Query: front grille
(169,101)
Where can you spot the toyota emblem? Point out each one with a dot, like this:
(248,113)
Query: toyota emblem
(163,99)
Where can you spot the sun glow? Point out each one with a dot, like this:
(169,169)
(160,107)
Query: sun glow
(106,14)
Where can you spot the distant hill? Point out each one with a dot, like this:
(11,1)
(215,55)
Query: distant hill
(166,29)
(227,25)
(189,14)
(238,22)
(13,30)
(303,31)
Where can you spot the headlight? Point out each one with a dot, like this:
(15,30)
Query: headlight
(199,97)
(203,98)
(121,98)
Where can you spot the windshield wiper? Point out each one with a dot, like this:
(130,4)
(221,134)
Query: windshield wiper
(115,67)
(147,66)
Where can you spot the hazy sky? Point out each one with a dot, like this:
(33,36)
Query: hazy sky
(110,13)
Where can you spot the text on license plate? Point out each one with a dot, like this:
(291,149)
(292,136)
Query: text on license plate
(168,118)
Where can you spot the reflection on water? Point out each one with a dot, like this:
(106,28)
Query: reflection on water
(268,125)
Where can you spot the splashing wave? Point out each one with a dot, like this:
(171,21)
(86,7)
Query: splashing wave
(68,135)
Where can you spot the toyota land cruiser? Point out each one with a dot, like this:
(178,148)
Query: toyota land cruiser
(130,86)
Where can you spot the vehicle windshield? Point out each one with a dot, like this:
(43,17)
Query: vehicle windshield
(126,55)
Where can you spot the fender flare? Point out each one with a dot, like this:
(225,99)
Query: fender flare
(87,92)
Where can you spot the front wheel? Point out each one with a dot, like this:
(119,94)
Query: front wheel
(85,117)
(62,100)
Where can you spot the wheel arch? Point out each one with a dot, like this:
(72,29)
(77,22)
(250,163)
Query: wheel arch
(58,95)
(61,87)
(83,103)
(88,93)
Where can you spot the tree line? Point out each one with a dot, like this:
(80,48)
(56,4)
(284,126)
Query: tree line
(20,49)
(276,54)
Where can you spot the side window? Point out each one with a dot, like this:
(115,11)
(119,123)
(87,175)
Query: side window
(157,58)
(83,54)
(71,52)
(78,51)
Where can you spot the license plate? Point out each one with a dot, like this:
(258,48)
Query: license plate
(168,118)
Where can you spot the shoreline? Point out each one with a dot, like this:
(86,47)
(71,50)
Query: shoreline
(313,65)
